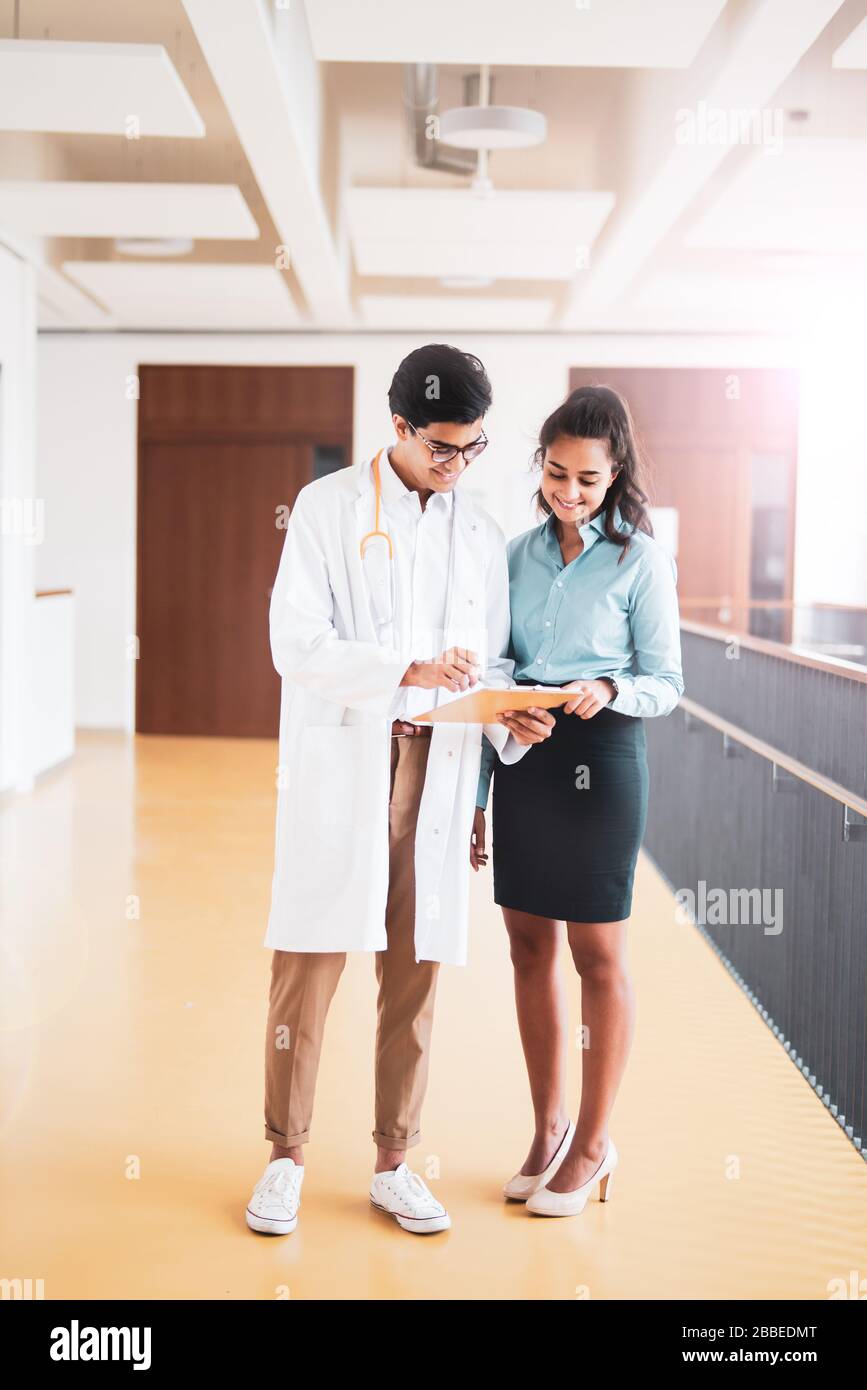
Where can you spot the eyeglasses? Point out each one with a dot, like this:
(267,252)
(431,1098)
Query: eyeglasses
(444,453)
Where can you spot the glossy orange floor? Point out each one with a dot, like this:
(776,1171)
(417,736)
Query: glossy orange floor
(135,890)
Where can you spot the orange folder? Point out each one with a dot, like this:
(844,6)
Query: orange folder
(481,706)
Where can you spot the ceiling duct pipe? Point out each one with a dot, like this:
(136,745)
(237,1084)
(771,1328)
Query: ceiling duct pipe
(421,96)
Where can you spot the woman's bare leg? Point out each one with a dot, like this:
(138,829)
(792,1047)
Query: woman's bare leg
(608,1022)
(540,998)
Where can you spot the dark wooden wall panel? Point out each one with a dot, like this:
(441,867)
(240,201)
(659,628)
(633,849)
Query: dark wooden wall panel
(220,450)
(245,400)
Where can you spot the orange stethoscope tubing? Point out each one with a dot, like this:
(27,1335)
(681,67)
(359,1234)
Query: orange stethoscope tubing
(376,531)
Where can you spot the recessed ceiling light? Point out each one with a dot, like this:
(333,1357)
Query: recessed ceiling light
(153,246)
(466,282)
(492,127)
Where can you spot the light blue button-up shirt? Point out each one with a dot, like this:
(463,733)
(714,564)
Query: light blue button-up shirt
(597,616)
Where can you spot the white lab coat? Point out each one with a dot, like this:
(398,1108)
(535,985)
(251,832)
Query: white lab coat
(341,667)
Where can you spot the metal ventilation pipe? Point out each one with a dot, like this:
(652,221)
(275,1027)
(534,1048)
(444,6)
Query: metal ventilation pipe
(421,97)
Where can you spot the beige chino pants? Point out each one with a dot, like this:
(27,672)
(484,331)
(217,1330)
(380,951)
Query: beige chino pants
(303,985)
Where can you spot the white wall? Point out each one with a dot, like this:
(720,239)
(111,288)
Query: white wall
(53,693)
(87,473)
(831,512)
(19,517)
(87,448)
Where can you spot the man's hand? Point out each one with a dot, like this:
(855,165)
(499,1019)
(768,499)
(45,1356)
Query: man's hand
(457,669)
(527,725)
(590,697)
(478,858)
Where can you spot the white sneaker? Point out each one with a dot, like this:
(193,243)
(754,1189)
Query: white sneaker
(273,1207)
(402,1194)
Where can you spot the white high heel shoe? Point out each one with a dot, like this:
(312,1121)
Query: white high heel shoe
(523,1185)
(548,1203)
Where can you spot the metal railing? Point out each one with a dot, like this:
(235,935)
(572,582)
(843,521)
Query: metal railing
(735,818)
(783,765)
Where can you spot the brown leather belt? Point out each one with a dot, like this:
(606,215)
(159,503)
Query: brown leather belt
(399,730)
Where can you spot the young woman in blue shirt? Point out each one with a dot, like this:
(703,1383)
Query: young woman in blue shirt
(594,610)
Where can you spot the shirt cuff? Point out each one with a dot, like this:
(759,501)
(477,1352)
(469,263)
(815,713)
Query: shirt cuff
(647,696)
(512,751)
(509,750)
(624,700)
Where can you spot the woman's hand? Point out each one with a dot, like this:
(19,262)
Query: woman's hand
(590,697)
(527,725)
(478,858)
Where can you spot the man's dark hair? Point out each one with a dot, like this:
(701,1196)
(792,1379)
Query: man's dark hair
(439,382)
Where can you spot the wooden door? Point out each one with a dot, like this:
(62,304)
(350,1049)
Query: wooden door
(221,451)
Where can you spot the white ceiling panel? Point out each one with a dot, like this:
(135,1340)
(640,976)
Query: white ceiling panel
(811,195)
(260,57)
(556,33)
(852,52)
(476,312)
(526,235)
(95,88)
(771,292)
(203,211)
(197,296)
(702,299)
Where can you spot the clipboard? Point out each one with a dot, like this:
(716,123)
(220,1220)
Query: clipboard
(482,706)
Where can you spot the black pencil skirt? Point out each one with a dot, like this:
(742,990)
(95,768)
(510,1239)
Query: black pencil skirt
(568,820)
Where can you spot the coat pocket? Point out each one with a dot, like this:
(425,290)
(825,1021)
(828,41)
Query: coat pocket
(338,771)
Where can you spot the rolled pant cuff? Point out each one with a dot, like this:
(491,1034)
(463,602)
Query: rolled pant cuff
(388,1141)
(287,1141)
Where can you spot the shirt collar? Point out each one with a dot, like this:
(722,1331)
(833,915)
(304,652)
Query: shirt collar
(396,492)
(598,522)
(591,531)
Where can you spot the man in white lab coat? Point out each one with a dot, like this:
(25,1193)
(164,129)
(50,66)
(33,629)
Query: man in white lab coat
(391,596)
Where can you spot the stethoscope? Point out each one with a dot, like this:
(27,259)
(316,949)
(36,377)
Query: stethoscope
(382,588)
(376,531)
